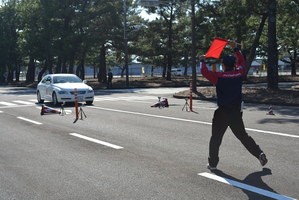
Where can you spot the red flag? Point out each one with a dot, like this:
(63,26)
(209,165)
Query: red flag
(216,48)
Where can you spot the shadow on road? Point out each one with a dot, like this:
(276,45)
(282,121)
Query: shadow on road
(253,179)
(17,91)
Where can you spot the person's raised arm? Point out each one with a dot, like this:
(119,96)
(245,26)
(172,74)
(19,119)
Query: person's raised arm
(240,58)
(211,76)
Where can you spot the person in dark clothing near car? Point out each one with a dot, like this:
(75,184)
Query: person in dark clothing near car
(229,100)
(110,77)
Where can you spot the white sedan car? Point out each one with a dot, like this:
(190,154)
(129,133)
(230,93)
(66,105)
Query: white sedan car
(60,88)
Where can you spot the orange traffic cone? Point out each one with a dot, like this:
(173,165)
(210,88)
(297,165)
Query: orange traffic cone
(270,111)
(46,109)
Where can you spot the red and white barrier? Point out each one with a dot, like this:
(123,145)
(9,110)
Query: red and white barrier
(48,110)
(270,111)
(163,103)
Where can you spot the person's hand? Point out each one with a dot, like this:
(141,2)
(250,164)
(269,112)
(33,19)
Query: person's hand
(233,44)
(202,57)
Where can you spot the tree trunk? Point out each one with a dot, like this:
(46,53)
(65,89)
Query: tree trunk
(164,70)
(81,68)
(194,83)
(272,69)
(41,73)
(293,63)
(64,69)
(17,73)
(2,71)
(30,75)
(58,66)
(94,70)
(255,43)
(169,46)
(10,76)
(186,63)
(122,71)
(102,68)
(72,62)
(152,71)
(49,65)
(164,66)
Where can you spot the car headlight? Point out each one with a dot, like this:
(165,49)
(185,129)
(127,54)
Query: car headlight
(62,92)
(90,90)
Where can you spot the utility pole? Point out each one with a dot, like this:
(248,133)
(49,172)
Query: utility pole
(126,44)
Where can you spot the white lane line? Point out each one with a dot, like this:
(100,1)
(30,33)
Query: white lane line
(1,111)
(273,133)
(206,108)
(192,121)
(245,186)
(128,98)
(23,102)
(16,106)
(29,120)
(150,115)
(96,141)
(7,103)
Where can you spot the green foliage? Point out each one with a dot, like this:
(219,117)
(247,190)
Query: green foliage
(60,34)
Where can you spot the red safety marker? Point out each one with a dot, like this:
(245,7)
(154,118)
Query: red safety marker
(216,48)
(76,104)
(48,110)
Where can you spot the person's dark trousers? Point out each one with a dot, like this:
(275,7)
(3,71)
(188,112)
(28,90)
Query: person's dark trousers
(109,84)
(229,117)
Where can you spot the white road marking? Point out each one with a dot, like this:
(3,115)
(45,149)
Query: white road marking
(23,102)
(245,186)
(17,106)
(126,98)
(33,100)
(1,111)
(188,120)
(29,120)
(7,103)
(96,141)
(273,133)
(150,115)
(136,101)
(206,108)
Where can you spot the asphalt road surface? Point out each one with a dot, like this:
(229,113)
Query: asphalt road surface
(124,149)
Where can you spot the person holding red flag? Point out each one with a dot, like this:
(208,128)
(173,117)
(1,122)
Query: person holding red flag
(229,100)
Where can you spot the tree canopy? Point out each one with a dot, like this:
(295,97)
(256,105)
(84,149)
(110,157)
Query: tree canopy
(59,36)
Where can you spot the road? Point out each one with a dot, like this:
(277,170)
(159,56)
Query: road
(124,149)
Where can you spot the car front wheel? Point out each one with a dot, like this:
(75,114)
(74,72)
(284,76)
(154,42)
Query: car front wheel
(89,102)
(54,99)
(39,98)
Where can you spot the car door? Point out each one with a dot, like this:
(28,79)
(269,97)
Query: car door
(49,88)
(42,87)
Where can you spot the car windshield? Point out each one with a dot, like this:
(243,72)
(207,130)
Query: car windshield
(66,79)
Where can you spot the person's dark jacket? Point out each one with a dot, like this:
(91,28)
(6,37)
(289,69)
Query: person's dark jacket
(228,83)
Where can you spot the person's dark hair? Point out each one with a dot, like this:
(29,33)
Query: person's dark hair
(229,61)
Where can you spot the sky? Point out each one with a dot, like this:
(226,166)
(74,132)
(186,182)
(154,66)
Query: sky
(147,16)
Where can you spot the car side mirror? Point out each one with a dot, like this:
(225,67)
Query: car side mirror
(85,81)
(48,82)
